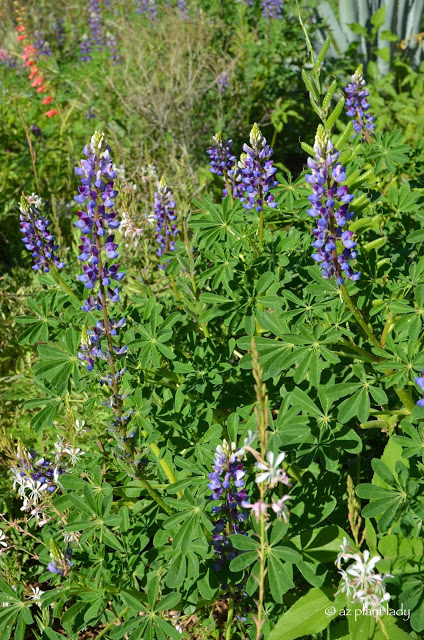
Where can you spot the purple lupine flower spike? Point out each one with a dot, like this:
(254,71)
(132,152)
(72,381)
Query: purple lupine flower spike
(226,482)
(272,8)
(41,44)
(255,173)
(330,205)
(95,22)
(86,49)
(98,193)
(112,46)
(222,161)
(183,9)
(223,82)
(420,383)
(37,237)
(164,214)
(357,104)
(148,7)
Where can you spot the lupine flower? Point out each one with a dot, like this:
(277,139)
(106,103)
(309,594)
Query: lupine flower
(41,44)
(95,22)
(37,237)
(330,204)
(59,30)
(359,581)
(183,9)
(357,103)
(98,192)
(420,383)
(223,82)
(149,7)
(90,114)
(227,486)
(164,213)
(86,49)
(272,473)
(112,46)
(221,159)
(60,561)
(272,8)
(255,174)
(7,60)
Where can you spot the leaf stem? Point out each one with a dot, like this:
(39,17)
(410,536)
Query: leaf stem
(230,616)
(359,317)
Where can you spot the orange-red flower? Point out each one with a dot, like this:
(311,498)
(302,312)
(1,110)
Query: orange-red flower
(47,100)
(51,113)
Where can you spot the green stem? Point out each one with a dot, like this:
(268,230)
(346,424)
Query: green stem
(386,329)
(261,230)
(359,317)
(109,626)
(153,493)
(406,398)
(359,350)
(230,616)
(62,283)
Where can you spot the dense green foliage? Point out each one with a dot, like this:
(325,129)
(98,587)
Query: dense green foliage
(233,336)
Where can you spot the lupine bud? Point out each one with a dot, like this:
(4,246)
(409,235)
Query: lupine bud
(37,237)
(112,46)
(330,204)
(357,104)
(164,214)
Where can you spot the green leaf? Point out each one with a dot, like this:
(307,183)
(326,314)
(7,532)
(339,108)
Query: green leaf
(308,615)
(244,543)
(243,561)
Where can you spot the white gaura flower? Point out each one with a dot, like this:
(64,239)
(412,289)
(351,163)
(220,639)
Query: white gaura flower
(37,490)
(280,508)
(75,454)
(79,426)
(3,539)
(249,439)
(272,472)
(360,581)
(36,595)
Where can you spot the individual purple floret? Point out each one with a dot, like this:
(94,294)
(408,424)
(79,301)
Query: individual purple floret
(164,214)
(91,348)
(86,49)
(255,174)
(91,113)
(223,82)
(357,104)
(41,45)
(420,383)
(148,7)
(330,205)
(60,561)
(97,223)
(112,46)
(228,487)
(272,8)
(95,22)
(37,237)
